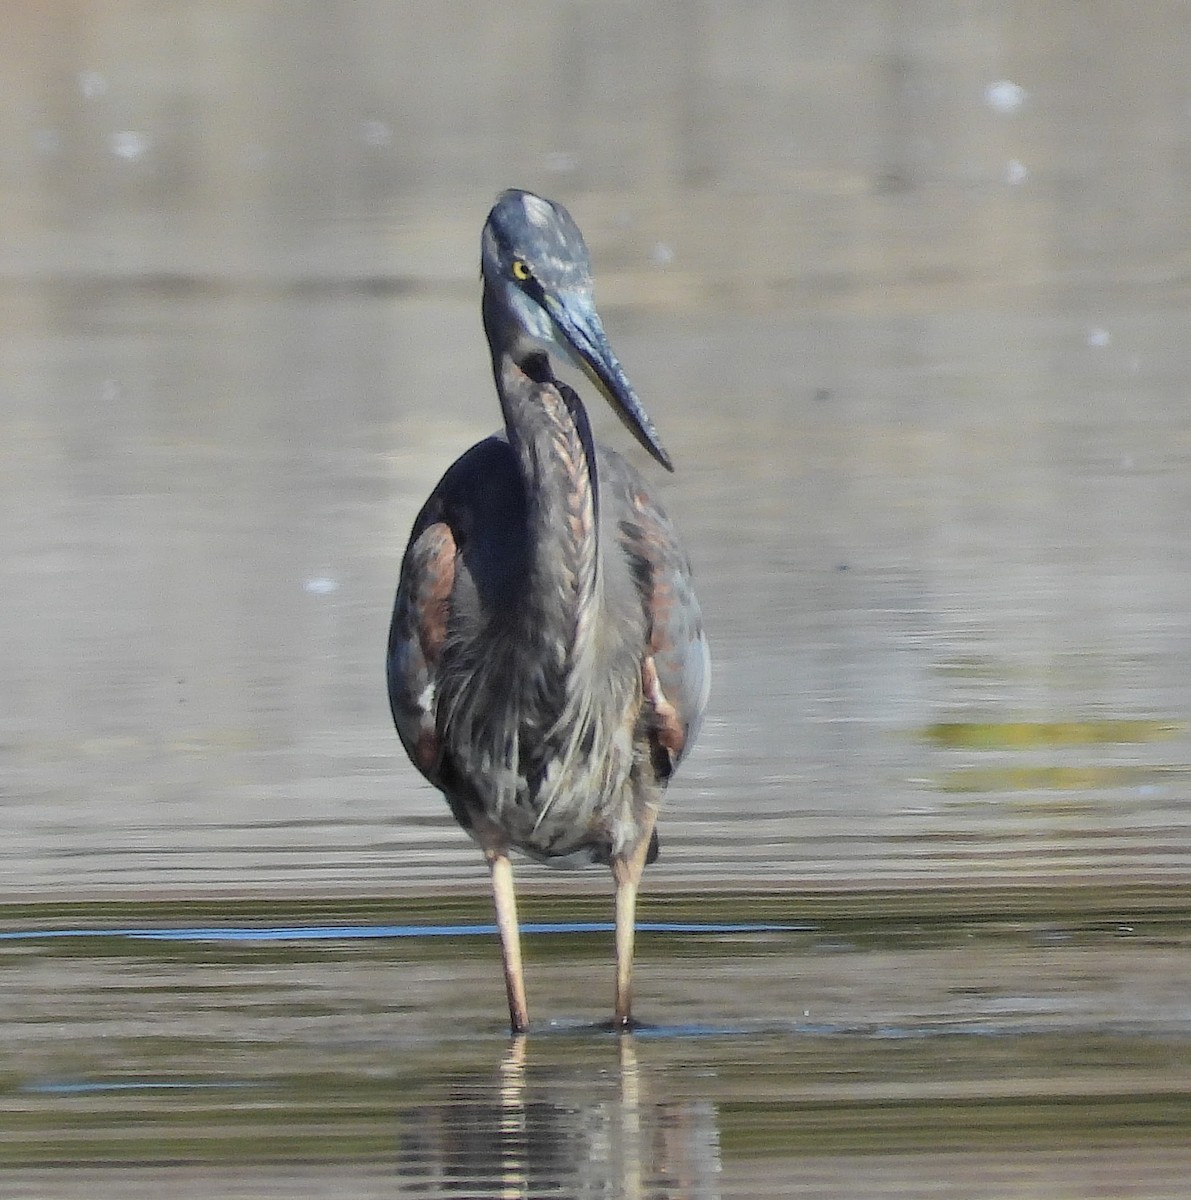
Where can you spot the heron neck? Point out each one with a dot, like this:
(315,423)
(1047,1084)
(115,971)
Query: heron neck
(549,432)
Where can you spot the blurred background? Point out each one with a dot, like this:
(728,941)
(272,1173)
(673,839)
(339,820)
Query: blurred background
(905,286)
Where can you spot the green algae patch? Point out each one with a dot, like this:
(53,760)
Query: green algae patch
(1058,779)
(1033,735)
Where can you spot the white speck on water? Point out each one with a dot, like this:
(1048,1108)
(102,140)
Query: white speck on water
(1016,172)
(1099,337)
(111,391)
(129,144)
(92,84)
(1004,96)
(321,585)
(376,133)
(562,161)
(661,254)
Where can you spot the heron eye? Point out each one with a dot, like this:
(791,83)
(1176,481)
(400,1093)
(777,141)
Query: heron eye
(521,272)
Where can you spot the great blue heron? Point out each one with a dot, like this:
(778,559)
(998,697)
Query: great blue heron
(547,666)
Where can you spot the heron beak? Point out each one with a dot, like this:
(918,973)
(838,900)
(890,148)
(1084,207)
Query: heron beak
(581,334)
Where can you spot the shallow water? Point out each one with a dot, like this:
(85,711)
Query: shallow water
(905,289)
(860,1055)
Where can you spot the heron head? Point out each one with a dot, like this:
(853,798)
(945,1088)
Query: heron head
(538,297)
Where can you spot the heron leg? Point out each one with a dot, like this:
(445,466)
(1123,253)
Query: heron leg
(510,935)
(627,874)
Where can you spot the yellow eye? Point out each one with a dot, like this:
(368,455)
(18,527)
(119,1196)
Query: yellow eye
(520,271)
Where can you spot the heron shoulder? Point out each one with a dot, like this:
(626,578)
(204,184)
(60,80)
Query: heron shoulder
(481,499)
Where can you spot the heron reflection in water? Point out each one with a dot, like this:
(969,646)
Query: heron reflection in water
(547,666)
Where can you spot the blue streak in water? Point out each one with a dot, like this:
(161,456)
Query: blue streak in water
(324,933)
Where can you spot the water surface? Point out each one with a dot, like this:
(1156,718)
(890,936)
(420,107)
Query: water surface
(905,289)
(924,1045)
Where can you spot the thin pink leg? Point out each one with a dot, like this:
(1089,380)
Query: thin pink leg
(627,873)
(510,937)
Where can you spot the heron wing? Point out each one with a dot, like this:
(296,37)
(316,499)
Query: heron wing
(676,669)
(420,618)
(466,555)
